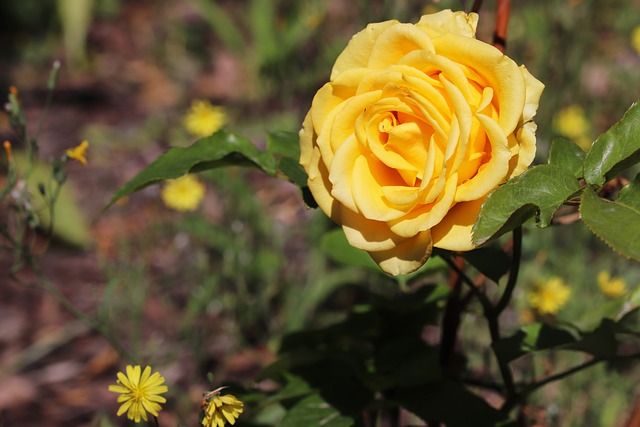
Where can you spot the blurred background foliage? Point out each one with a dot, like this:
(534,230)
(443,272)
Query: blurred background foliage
(216,289)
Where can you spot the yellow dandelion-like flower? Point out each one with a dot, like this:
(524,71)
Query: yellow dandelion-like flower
(550,296)
(139,393)
(635,39)
(183,194)
(613,287)
(203,119)
(219,410)
(572,122)
(79,152)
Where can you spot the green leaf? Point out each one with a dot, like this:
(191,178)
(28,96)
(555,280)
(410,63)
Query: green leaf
(405,362)
(70,224)
(529,339)
(450,403)
(286,146)
(614,150)
(538,191)
(567,154)
(218,150)
(491,261)
(285,143)
(294,388)
(315,411)
(616,223)
(601,342)
(631,320)
(630,194)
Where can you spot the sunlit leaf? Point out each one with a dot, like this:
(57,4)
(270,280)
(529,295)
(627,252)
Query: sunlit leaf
(568,155)
(218,150)
(616,223)
(315,411)
(539,191)
(70,224)
(287,144)
(615,150)
(295,387)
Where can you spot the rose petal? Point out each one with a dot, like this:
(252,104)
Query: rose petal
(492,173)
(366,234)
(395,42)
(369,175)
(407,256)
(341,173)
(319,184)
(453,233)
(357,52)
(446,21)
(499,71)
(424,217)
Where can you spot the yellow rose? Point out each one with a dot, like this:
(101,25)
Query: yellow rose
(416,126)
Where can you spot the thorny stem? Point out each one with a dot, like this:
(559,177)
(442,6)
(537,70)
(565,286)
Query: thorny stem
(484,301)
(492,313)
(517,398)
(502,21)
(477,4)
(451,319)
(516,254)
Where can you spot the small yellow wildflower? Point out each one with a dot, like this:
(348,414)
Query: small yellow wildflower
(219,410)
(613,287)
(79,152)
(572,122)
(183,194)
(635,39)
(549,296)
(203,119)
(139,394)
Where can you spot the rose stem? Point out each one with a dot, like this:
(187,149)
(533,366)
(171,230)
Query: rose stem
(494,328)
(451,319)
(502,20)
(516,254)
